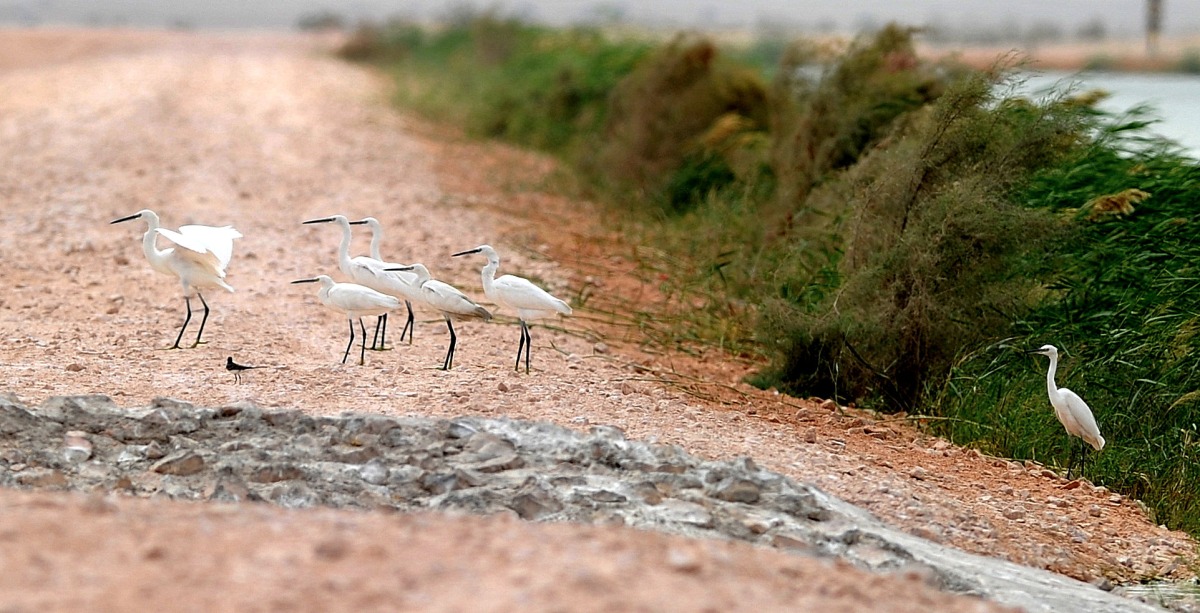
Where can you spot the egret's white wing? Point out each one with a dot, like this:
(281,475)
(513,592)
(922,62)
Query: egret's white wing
(217,240)
(370,272)
(1085,422)
(520,293)
(193,250)
(360,300)
(446,298)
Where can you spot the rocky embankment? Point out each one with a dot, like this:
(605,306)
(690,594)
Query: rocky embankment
(243,454)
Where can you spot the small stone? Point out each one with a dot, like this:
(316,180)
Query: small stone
(810,435)
(682,560)
(737,490)
(918,473)
(502,387)
(600,348)
(76,446)
(829,405)
(1094,510)
(74,367)
(1048,474)
(374,472)
(1014,513)
(181,463)
(1006,489)
(154,451)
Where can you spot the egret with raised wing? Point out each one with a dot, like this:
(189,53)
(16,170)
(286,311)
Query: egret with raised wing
(198,259)
(448,300)
(355,302)
(1072,412)
(519,294)
(369,272)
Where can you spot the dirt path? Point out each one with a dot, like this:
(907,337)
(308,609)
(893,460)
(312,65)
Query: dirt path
(263,132)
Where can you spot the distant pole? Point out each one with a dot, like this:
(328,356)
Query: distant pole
(1153,25)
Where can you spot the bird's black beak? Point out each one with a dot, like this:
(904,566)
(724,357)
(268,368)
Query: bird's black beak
(361,222)
(305,280)
(399,268)
(467,252)
(321,220)
(1028,351)
(134,216)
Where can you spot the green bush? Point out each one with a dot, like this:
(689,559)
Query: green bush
(658,138)
(934,255)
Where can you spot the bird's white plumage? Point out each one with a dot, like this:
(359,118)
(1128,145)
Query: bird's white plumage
(517,293)
(198,258)
(445,297)
(215,240)
(354,300)
(1072,412)
(369,271)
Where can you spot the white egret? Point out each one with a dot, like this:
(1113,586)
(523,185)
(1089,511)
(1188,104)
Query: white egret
(1072,412)
(368,272)
(446,299)
(399,285)
(198,259)
(519,294)
(356,302)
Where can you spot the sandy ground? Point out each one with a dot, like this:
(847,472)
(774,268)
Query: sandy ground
(265,131)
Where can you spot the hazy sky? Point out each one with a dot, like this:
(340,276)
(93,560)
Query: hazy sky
(1119,16)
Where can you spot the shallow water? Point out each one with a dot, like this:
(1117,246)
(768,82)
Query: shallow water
(1172,98)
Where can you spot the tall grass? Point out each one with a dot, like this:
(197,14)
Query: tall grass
(1122,300)
(878,229)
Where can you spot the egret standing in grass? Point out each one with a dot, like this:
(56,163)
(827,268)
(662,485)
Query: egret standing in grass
(198,259)
(1072,412)
(528,300)
(369,272)
(354,301)
(448,300)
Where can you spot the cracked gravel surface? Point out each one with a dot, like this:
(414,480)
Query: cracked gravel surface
(264,131)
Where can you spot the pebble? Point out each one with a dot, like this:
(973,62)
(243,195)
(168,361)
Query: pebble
(918,473)
(1014,512)
(810,435)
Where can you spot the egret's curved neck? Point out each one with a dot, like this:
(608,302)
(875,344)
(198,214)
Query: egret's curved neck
(422,275)
(489,277)
(344,248)
(376,242)
(149,242)
(1050,385)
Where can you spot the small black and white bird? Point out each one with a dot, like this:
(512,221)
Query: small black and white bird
(237,369)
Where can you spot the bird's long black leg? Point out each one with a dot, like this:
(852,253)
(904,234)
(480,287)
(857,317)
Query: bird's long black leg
(520,347)
(1070,462)
(380,328)
(203,319)
(449,361)
(186,319)
(362,354)
(1082,455)
(409,325)
(528,345)
(351,343)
